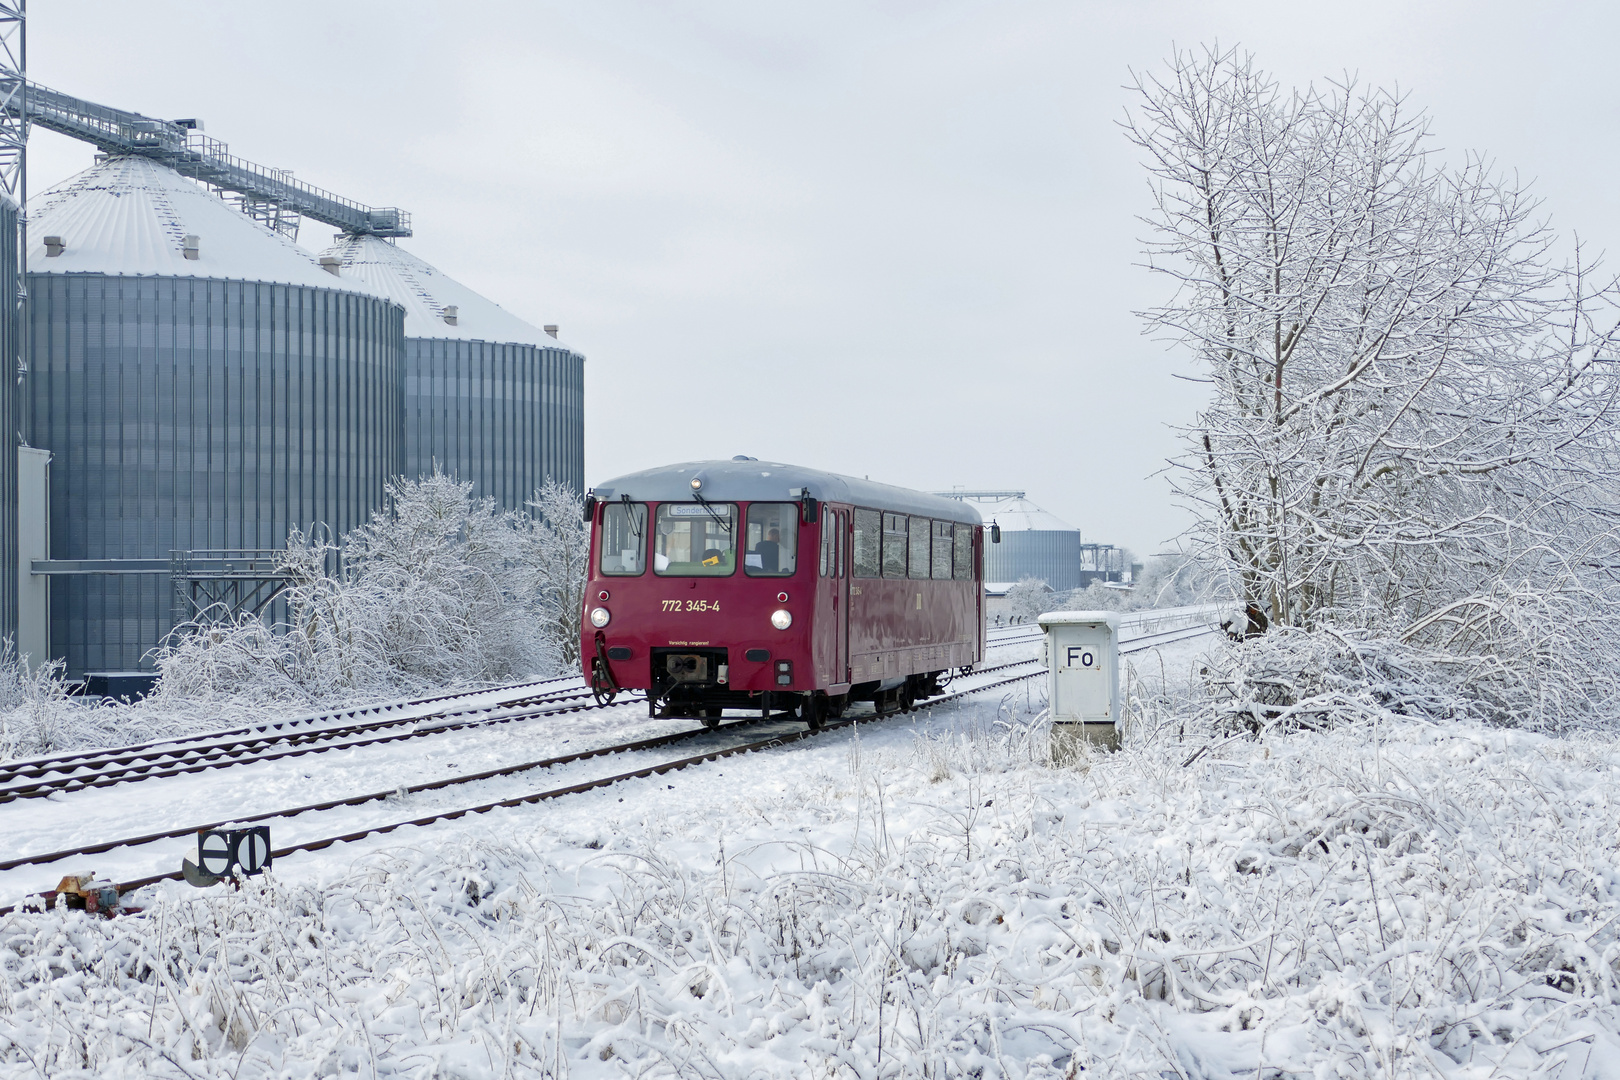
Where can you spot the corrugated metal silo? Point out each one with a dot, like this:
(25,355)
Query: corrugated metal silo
(487,396)
(1033,544)
(9,418)
(201,383)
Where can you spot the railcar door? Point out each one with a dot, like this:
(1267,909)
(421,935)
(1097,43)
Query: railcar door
(841,591)
(835,587)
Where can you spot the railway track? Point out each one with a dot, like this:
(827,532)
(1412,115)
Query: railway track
(72,759)
(66,773)
(733,728)
(34,780)
(158,758)
(295,738)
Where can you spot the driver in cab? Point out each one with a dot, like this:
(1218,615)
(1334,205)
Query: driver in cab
(769,551)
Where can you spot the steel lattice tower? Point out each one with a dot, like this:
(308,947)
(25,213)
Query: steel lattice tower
(13,99)
(14,138)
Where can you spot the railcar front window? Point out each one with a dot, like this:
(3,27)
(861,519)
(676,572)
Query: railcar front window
(964,552)
(695,540)
(622,539)
(773,531)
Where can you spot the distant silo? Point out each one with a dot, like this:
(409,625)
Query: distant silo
(1033,544)
(487,396)
(201,383)
(1036,544)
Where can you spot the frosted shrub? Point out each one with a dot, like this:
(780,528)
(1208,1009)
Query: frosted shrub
(1294,679)
(1028,598)
(439,589)
(35,714)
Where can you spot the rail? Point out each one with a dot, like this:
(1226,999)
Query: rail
(725,730)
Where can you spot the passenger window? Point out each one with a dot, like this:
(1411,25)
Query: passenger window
(964,552)
(621,540)
(920,528)
(868,537)
(696,540)
(894,545)
(773,532)
(942,549)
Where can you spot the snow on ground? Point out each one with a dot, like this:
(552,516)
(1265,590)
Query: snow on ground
(98,815)
(917,898)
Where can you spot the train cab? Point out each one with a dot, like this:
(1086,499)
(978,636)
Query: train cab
(761,586)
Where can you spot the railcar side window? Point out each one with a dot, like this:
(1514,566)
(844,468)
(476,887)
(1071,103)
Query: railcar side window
(942,549)
(838,545)
(621,539)
(773,540)
(920,528)
(964,552)
(868,537)
(894,545)
(695,540)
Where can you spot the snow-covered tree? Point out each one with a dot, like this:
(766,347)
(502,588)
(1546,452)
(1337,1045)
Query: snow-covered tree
(1391,354)
(436,571)
(557,553)
(1411,423)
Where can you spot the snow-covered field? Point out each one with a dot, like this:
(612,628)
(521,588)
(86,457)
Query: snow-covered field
(921,897)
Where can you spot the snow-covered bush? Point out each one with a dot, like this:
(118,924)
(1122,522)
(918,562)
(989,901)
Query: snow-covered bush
(1028,598)
(1166,581)
(35,715)
(439,588)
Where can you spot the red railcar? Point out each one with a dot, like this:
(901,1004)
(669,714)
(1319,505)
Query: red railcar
(745,584)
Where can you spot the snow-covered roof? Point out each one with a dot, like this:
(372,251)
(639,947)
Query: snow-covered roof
(1000,588)
(1019,515)
(425,292)
(747,479)
(129,215)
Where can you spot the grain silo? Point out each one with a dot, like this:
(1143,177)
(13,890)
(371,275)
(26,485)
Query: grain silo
(9,418)
(201,384)
(487,396)
(1037,544)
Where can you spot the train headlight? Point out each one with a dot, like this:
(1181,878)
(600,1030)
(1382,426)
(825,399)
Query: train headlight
(600,617)
(781,619)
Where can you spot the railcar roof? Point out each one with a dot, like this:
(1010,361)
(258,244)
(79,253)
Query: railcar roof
(750,480)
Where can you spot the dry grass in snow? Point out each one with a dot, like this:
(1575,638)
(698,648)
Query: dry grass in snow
(1398,899)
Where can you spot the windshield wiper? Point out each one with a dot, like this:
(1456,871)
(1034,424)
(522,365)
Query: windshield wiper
(723,522)
(630,512)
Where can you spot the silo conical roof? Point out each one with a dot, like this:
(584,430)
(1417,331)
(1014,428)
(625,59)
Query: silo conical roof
(1020,514)
(426,293)
(130,216)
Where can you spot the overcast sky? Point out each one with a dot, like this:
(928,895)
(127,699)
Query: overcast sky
(890,239)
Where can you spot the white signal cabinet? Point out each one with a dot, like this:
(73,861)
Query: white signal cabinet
(1081,654)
